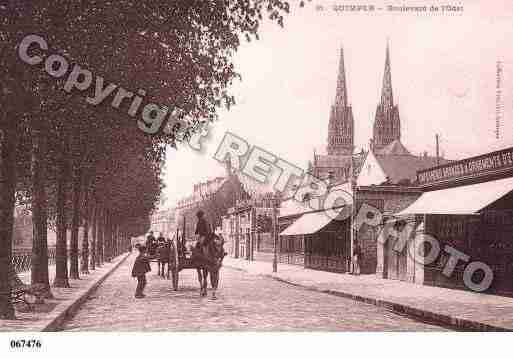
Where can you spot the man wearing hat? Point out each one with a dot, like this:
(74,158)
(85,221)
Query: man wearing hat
(202,235)
(202,227)
(139,270)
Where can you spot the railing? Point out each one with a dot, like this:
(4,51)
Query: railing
(291,258)
(22,258)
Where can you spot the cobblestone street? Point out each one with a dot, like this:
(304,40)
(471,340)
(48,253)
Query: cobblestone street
(245,302)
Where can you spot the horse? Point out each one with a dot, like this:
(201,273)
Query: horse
(163,256)
(208,258)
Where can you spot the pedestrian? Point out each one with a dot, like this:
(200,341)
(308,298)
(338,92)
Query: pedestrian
(357,254)
(139,270)
(151,244)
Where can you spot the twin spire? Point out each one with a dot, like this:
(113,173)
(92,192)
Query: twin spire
(387,127)
(387,96)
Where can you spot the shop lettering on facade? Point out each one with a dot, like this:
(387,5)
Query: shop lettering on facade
(473,166)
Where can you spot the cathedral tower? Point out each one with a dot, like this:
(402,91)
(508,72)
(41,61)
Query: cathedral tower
(341,124)
(387,124)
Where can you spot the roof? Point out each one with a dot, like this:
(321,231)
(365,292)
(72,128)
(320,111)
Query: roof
(313,222)
(394,148)
(337,161)
(332,161)
(460,200)
(404,167)
(307,224)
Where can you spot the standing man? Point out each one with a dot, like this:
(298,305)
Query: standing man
(151,243)
(139,270)
(357,255)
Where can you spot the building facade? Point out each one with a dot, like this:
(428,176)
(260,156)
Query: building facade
(247,228)
(163,221)
(466,206)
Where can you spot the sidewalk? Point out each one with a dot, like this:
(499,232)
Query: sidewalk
(50,315)
(456,308)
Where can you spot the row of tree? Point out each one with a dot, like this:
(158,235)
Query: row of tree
(75,164)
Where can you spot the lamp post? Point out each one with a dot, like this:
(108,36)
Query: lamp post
(274,201)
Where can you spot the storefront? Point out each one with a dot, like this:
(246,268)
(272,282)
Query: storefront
(466,206)
(316,239)
(322,242)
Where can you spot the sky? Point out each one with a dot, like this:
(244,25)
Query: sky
(444,78)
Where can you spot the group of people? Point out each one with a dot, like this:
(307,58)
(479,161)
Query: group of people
(161,246)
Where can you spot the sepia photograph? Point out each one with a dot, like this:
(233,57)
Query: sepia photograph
(255,177)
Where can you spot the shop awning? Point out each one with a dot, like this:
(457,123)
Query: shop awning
(310,223)
(460,200)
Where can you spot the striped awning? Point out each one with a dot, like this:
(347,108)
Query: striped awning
(468,199)
(310,223)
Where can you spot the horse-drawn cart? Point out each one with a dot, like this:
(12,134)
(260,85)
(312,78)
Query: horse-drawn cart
(206,260)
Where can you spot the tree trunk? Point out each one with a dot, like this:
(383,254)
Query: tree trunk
(39,263)
(99,237)
(84,268)
(8,143)
(75,219)
(108,236)
(115,240)
(61,247)
(93,238)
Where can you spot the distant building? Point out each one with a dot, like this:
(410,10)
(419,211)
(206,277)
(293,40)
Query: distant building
(163,221)
(213,197)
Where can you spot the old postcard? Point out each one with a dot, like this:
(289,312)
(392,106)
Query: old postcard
(254,166)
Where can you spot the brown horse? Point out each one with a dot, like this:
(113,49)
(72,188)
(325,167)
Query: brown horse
(163,256)
(208,258)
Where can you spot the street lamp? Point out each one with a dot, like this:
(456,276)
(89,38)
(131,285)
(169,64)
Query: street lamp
(274,201)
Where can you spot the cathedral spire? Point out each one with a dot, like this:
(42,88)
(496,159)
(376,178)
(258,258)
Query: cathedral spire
(387,98)
(341,94)
(387,123)
(340,127)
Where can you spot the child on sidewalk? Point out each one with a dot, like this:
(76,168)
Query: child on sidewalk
(141,267)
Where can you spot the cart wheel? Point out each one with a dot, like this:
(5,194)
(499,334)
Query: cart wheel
(174,274)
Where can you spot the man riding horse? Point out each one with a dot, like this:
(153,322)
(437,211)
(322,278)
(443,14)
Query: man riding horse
(207,254)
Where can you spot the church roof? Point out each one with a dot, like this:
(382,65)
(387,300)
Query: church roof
(404,167)
(394,148)
(337,161)
(332,161)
